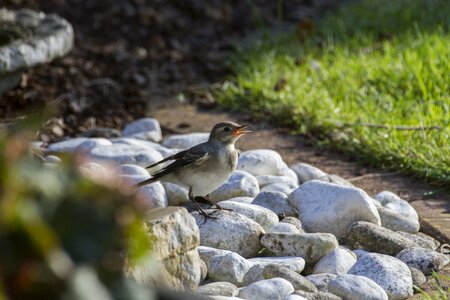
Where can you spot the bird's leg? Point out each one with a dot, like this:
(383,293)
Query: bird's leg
(215,204)
(200,210)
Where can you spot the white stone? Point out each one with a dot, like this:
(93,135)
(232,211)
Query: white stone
(239,184)
(221,288)
(353,287)
(279,187)
(52,159)
(231,231)
(94,171)
(125,154)
(338,262)
(206,253)
(185,141)
(294,297)
(321,280)
(338,180)
(134,170)
(152,196)
(425,260)
(165,152)
(254,274)
(306,172)
(92,143)
(288,172)
(230,267)
(273,289)
(260,215)
(295,263)
(145,128)
(176,194)
(261,162)
(276,202)
(242,199)
(283,228)
(270,179)
(390,273)
(69,145)
(397,222)
(225,298)
(327,207)
(309,246)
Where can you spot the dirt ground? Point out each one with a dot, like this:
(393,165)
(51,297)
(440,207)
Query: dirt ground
(134,58)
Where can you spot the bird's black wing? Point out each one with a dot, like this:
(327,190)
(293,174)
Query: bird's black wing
(172,157)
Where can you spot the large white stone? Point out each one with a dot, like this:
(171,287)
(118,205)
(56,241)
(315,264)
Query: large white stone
(279,187)
(91,143)
(145,128)
(273,289)
(353,287)
(390,273)
(261,162)
(397,204)
(276,202)
(260,215)
(221,288)
(230,231)
(283,228)
(270,179)
(338,261)
(240,184)
(298,281)
(295,263)
(242,199)
(425,260)
(176,194)
(206,253)
(306,172)
(295,297)
(133,170)
(125,154)
(321,280)
(230,267)
(69,145)
(185,141)
(397,222)
(165,152)
(327,207)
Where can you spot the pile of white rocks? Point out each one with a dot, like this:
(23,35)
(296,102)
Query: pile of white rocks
(294,232)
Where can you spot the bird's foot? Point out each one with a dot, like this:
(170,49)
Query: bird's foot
(218,207)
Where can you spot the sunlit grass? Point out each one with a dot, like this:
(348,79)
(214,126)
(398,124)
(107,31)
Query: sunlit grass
(441,292)
(370,71)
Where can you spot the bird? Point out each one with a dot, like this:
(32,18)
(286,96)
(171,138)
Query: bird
(204,167)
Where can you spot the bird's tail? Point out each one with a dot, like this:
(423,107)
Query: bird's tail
(147,181)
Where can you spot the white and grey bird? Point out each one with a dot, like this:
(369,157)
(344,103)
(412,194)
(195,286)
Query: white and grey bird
(204,167)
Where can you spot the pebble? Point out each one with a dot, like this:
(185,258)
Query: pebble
(261,162)
(332,178)
(239,184)
(276,202)
(185,141)
(53,159)
(395,203)
(318,296)
(230,267)
(426,260)
(69,145)
(397,222)
(206,253)
(417,276)
(283,228)
(125,154)
(270,179)
(298,281)
(421,239)
(263,216)
(354,287)
(374,238)
(294,263)
(279,187)
(321,280)
(92,143)
(145,128)
(219,288)
(306,172)
(338,262)
(242,199)
(295,297)
(231,231)
(310,246)
(390,273)
(176,194)
(317,203)
(273,289)
(165,152)
(294,221)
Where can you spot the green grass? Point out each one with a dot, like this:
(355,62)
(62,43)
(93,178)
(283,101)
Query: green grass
(369,69)
(441,292)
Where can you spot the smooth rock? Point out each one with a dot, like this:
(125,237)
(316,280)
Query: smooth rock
(176,194)
(418,277)
(421,239)
(279,187)
(260,215)
(239,184)
(397,222)
(225,298)
(231,231)
(354,287)
(332,178)
(219,288)
(270,179)
(103,132)
(393,202)
(52,159)
(261,162)
(338,262)
(276,202)
(317,296)
(230,267)
(185,141)
(92,143)
(175,237)
(283,228)
(165,152)
(306,172)
(295,297)
(206,253)
(426,260)
(94,171)
(321,280)
(242,199)
(288,172)
(69,145)
(294,263)
(204,271)
(146,127)
(273,289)
(310,246)
(125,154)
(133,170)
(390,273)
(374,238)
(254,274)
(294,221)
(298,281)
(317,203)
(152,195)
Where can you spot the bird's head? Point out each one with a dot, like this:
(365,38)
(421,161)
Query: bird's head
(228,132)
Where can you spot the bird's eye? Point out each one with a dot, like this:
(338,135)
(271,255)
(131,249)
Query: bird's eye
(226,129)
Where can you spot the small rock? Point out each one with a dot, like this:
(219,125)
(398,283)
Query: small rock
(125,154)
(242,199)
(145,128)
(353,287)
(165,152)
(294,263)
(306,172)
(152,195)
(279,187)
(318,295)
(295,297)
(260,215)
(421,239)
(52,159)
(310,246)
(270,179)
(103,132)
(261,162)
(231,231)
(69,145)
(418,277)
(176,194)
(321,280)
(230,267)
(283,228)
(220,288)
(133,170)
(374,238)
(276,202)
(206,253)
(425,260)
(254,274)
(298,281)
(338,262)
(294,221)
(92,143)
(390,273)
(225,298)
(93,171)
(338,180)
(185,141)
(239,184)
(204,271)
(394,221)
(288,172)
(393,202)
(274,289)
(317,203)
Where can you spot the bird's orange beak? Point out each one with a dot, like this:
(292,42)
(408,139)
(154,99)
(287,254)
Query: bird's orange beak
(241,130)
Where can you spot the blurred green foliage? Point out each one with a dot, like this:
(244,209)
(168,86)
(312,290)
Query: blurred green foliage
(63,236)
